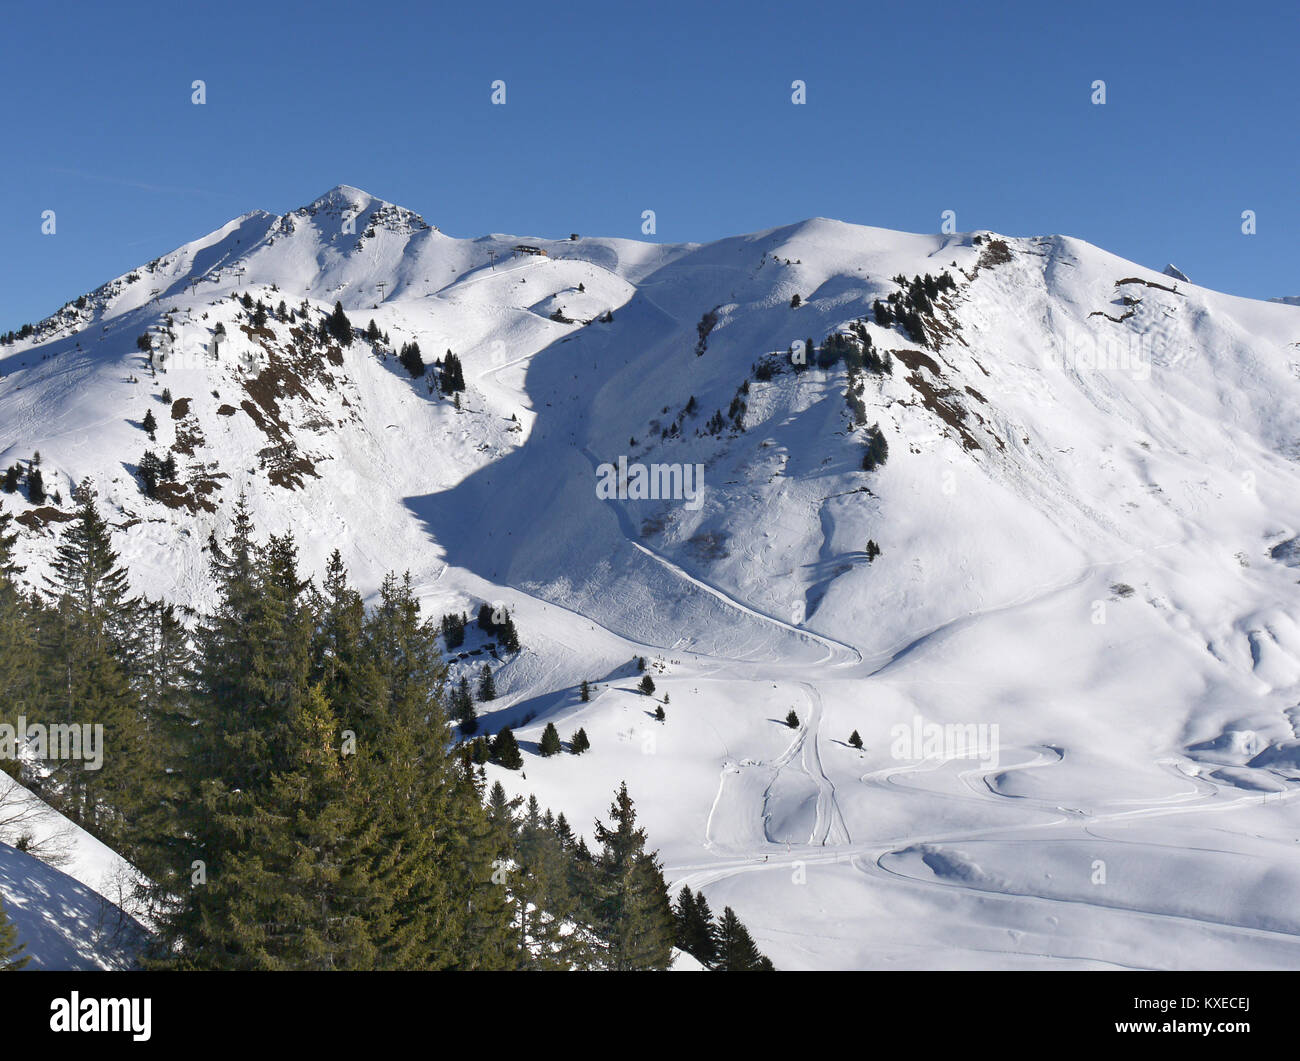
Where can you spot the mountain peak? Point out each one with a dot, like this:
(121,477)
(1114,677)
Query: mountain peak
(342,195)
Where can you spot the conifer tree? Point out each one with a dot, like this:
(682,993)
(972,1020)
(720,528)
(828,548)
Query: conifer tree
(550,744)
(855,740)
(736,950)
(633,914)
(792,719)
(579,743)
(584,691)
(11,951)
(696,934)
(85,645)
(487,689)
(647,685)
(505,750)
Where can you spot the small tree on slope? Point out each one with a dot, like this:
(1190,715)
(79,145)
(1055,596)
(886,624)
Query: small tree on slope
(11,951)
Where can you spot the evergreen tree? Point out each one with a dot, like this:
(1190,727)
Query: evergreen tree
(579,743)
(584,692)
(792,719)
(35,486)
(487,689)
(149,424)
(339,327)
(855,740)
(696,934)
(551,741)
(505,750)
(85,645)
(633,914)
(411,359)
(462,707)
(736,950)
(647,685)
(11,951)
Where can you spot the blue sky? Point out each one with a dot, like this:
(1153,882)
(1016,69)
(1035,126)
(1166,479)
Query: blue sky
(683,108)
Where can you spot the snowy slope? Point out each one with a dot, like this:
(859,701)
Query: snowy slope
(64,924)
(1088,529)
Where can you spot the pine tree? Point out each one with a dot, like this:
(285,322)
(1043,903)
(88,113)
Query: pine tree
(647,685)
(487,689)
(792,719)
(505,750)
(35,486)
(855,740)
(736,950)
(633,914)
(85,645)
(11,951)
(659,712)
(696,934)
(584,692)
(551,741)
(150,424)
(339,327)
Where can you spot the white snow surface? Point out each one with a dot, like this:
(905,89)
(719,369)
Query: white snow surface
(1087,524)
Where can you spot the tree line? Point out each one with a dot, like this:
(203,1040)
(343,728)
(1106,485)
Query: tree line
(283,773)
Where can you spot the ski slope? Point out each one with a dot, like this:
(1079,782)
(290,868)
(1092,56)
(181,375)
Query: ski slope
(1087,528)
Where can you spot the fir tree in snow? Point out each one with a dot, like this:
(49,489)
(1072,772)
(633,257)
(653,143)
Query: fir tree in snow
(339,327)
(487,689)
(736,949)
(505,750)
(11,950)
(550,744)
(792,719)
(579,743)
(855,740)
(584,691)
(647,685)
(634,917)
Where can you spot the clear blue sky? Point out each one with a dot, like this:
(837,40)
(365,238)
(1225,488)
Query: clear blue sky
(683,108)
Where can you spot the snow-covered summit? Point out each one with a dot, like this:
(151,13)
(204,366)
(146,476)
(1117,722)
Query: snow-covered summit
(1079,534)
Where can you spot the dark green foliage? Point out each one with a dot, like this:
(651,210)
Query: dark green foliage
(11,951)
(338,327)
(35,486)
(410,358)
(453,630)
(647,685)
(855,740)
(487,688)
(659,712)
(551,741)
(696,934)
(150,424)
(792,719)
(877,449)
(632,913)
(873,550)
(451,377)
(584,692)
(462,708)
(736,950)
(505,750)
(796,302)
(579,743)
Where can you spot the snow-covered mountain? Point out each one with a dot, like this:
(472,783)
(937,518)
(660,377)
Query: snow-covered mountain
(1087,531)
